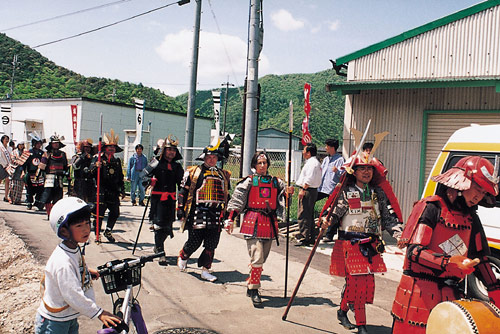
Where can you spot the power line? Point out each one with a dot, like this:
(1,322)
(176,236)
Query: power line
(225,50)
(64,15)
(180,2)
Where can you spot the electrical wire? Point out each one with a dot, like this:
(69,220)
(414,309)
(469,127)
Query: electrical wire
(240,93)
(107,25)
(64,15)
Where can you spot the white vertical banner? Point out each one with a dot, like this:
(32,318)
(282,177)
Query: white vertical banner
(216,99)
(139,119)
(6,112)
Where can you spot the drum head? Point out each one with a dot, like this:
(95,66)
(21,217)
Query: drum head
(465,317)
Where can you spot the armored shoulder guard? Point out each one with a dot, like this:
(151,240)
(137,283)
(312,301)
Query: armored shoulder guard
(153,163)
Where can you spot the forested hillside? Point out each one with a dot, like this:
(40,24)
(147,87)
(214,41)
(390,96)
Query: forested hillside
(38,77)
(327,109)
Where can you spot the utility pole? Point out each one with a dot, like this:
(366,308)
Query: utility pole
(113,95)
(227,84)
(14,66)
(255,40)
(189,135)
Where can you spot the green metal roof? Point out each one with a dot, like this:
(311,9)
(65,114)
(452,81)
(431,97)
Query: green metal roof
(420,30)
(354,87)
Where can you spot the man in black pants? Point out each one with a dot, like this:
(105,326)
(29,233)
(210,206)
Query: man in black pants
(202,202)
(166,174)
(34,182)
(55,166)
(84,183)
(111,185)
(309,180)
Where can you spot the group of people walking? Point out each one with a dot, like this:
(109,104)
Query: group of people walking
(443,236)
(40,171)
(44,172)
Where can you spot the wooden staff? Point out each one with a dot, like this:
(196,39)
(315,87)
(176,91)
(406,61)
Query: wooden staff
(153,182)
(331,203)
(287,198)
(97,226)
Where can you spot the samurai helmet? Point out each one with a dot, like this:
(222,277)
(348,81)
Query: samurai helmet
(55,138)
(86,143)
(218,148)
(365,159)
(35,138)
(170,141)
(112,139)
(472,168)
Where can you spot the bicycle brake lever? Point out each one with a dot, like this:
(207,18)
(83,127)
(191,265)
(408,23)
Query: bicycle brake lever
(122,326)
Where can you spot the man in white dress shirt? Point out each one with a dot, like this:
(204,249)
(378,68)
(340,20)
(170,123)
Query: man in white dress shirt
(309,181)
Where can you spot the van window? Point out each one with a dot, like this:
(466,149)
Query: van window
(454,158)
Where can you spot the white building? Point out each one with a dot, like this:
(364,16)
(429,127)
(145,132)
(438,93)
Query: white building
(49,116)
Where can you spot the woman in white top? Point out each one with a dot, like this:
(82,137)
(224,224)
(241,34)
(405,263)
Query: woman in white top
(5,162)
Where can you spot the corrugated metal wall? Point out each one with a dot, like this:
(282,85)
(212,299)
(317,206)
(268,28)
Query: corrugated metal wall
(401,113)
(441,126)
(465,48)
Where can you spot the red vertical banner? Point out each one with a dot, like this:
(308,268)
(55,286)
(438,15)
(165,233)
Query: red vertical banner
(74,120)
(306,135)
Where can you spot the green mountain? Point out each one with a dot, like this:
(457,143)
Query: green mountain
(38,77)
(327,109)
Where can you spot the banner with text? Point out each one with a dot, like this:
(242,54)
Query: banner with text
(306,135)
(216,100)
(139,119)
(6,112)
(74,120)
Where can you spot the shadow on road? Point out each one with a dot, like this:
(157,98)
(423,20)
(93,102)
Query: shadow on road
(311,327)
(378,329)
(278,302)
(371,329)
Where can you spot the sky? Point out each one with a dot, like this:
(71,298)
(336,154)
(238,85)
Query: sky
(155,49)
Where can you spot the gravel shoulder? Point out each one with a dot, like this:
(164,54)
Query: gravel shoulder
(20,275)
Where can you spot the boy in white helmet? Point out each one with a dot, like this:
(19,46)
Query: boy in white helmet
(66,286)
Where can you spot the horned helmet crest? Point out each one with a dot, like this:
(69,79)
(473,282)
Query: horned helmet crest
(112,139)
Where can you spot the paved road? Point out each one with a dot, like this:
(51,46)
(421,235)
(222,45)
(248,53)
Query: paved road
(173,299)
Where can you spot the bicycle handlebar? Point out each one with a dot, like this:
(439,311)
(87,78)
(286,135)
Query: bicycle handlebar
(124,264)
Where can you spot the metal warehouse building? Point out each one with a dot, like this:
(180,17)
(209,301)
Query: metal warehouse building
(421,86)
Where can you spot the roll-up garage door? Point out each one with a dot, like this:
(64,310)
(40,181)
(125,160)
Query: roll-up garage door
(441,126)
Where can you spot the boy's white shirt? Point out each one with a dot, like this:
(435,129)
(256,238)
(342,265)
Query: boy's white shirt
(63,286)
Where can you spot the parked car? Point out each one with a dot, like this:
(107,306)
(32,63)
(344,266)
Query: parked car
(483,140)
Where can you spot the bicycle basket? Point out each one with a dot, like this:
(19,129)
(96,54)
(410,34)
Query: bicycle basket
(118,281)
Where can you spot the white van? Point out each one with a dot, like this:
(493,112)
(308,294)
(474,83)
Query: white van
(483,140)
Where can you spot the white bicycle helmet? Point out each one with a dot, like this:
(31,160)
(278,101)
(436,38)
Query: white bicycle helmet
(63,210)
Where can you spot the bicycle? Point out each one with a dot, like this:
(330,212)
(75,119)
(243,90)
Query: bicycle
(123,275)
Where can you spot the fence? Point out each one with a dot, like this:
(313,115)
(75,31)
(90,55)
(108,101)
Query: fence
(278,168)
